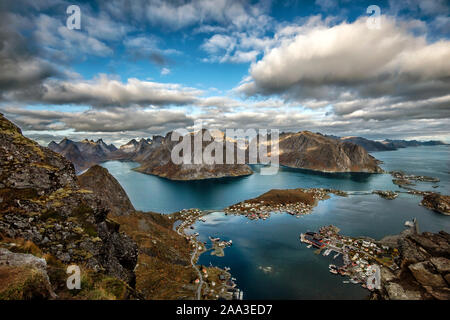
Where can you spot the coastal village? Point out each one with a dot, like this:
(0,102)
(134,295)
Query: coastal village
(361,257)
(212,283)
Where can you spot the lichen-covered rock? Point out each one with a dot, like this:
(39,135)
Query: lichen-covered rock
(437,202)
(426,275)
(42,202)
(397,292)
(424,268)
(441,264)
(410,252)
(23,276)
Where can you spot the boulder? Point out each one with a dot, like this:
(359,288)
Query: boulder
(387,275)
(441,264)
(426,275)
(23,276)
(396,292)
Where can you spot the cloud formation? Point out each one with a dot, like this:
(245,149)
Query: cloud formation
(351,57)
(386,74)
(108,92)
(315,73)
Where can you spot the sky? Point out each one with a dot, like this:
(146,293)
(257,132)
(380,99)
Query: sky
(377,69)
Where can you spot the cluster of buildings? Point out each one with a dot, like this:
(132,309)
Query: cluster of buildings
(254,209)
(221,286)
(361,256)
(403,176)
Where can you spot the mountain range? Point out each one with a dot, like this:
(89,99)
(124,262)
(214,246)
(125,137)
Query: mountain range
(303,149)
(387,144)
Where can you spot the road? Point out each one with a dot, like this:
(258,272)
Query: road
(200,284)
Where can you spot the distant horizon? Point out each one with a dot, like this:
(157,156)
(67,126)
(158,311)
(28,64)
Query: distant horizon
(163,135)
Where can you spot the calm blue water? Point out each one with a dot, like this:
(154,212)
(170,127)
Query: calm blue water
(151,193)
(428,161)
(297,272)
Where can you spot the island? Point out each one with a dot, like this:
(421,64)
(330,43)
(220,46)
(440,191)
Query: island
(293,201)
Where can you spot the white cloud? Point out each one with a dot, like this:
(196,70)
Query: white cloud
(165,71)
(348,56)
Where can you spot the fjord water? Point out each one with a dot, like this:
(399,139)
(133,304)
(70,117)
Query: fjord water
(296,272)
(151,193)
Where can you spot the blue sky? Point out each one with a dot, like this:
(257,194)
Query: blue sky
(140,68)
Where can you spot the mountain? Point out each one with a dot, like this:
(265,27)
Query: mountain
(129,147)
(83,154)
(159,163)
(98,180)
(369,145)
(385,145)
(411,143)
(134,150)
(314,151)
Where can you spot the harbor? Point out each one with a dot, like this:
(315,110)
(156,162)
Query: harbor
(211,282)
(361,257)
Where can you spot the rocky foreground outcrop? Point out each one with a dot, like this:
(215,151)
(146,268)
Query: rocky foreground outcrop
(424,271)
(23,276)
(437,202)
(314,151)
(41,202)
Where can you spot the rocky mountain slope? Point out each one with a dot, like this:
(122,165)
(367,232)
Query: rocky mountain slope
(105,186)
(159,163)
(136,151)
(40,201)
(396,144)
(87,153)
(424,271)
(314,151)
(50,219)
